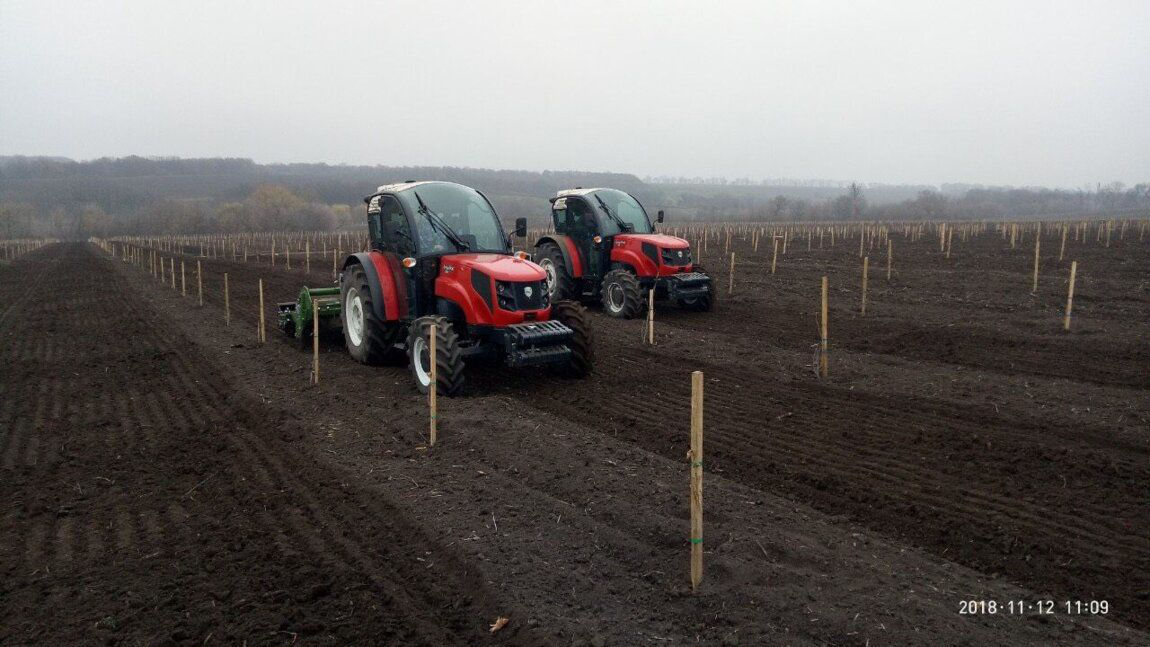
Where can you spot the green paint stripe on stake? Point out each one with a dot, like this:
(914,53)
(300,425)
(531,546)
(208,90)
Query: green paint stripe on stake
(696,541)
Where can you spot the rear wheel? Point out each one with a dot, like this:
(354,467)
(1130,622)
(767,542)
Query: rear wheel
(582,345)
(559,282)
(448,358)
(368,340)
(620,294)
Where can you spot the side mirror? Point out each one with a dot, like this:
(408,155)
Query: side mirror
(659,218)
(521,227)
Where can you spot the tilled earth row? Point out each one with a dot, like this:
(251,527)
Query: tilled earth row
(1053,503)
(150,500)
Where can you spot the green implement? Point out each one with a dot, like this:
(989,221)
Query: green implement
(295,319)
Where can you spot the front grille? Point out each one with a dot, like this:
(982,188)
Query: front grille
(677,257)
(514,296)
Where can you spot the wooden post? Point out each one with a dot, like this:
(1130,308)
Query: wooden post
(227,303)
(1062,250)
(731,281)
(307,257)
(823,334)
(651,317)
(889,256)
(183,280)
(866,265)
(261,324)
(775,255)
(1034,287)
(433,388)
(315,342)
(696,459)
(200,282)
(1070,296)
(172,272)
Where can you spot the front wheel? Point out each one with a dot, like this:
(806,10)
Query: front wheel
(620,294)
(448,358)
(574,316)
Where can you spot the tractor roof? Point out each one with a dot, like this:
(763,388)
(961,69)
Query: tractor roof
(401,186)
(566,192)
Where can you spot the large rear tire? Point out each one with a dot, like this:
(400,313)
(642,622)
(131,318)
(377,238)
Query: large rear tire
(702,304)
(560,285)
(368,340)
(620,294)
(448,358)
(582,345)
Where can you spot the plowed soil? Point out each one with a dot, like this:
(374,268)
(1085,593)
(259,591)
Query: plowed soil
(168,479)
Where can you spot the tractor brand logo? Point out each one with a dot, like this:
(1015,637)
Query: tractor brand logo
(448,269)
(680,253)
(527,291)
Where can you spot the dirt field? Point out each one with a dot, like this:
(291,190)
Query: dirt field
(169,480)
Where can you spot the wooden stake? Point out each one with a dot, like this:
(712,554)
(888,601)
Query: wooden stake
(433,388)
(307,257)
(696,458)
(651,317)
(823,348)
(866,265)
(731,281)
(315,342)
(183,280)
(889,256)
(1034,287)
(1070,296)
(227,303)
(200,283)
(261,324)
(1062,250)
(775,256)
(172,273)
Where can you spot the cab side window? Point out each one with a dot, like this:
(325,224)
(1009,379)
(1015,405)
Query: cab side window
(580,219)
(394,230)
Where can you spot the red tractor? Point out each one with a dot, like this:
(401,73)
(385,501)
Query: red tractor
(605,247)
(440,264)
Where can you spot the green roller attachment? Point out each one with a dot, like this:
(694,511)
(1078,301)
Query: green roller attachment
(295,319)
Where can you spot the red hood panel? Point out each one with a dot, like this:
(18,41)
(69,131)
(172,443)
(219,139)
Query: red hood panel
(497,266)
(660,240)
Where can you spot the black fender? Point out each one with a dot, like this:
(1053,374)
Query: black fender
(565,245)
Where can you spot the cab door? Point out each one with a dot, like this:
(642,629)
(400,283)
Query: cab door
(583,227)
(391,235)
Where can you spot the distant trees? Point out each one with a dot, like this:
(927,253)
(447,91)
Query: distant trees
(137,195)
(16,220)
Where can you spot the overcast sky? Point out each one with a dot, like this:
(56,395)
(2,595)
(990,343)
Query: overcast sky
(1038,93)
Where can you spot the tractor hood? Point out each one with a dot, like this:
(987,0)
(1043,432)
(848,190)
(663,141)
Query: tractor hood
(498,266)
(659,240)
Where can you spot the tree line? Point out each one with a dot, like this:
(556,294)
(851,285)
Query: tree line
(63,198)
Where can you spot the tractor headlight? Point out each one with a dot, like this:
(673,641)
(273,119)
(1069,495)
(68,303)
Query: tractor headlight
(501,287)
(507,303)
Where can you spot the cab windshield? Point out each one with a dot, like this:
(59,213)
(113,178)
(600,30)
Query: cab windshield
(462,209)
(622,206)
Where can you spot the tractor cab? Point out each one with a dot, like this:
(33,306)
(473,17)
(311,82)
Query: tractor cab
(443,230)
(605,246)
